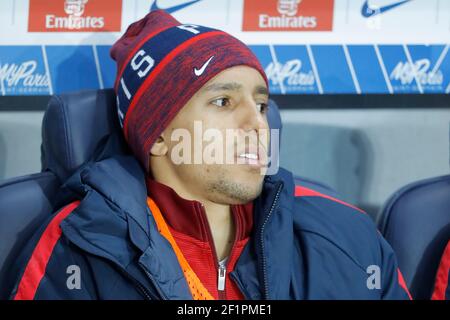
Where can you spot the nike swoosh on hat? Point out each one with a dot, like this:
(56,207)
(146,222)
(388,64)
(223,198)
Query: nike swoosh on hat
(199,72)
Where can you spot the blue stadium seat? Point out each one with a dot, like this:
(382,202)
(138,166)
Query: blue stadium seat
(25,202)
(274,120)
(74,125)
(416,223)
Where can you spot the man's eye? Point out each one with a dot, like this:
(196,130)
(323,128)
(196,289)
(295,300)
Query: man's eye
(222,102)
(262,107)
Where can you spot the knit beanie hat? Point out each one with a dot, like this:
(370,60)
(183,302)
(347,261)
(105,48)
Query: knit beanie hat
(161,64)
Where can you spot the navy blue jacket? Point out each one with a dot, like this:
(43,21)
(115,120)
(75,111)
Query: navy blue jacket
(305,245)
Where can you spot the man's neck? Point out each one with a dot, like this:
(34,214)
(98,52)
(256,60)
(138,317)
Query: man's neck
(222,227)
(219,216)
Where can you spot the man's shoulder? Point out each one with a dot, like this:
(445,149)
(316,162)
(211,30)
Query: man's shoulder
(317,208)
(322,217)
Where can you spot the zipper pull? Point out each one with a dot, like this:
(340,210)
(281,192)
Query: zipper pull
(221,278)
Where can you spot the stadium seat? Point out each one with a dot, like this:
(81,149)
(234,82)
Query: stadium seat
(274,120)
(74,127)
(416,223)
(25,202)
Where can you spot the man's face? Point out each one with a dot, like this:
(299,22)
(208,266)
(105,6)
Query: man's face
(228,131)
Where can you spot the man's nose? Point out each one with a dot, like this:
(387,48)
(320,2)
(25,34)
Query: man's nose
(250,118)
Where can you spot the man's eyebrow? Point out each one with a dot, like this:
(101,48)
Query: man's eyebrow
(229,86)
(262,90)
(234,86)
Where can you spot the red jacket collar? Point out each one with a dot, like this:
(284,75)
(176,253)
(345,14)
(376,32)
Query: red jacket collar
(188,216)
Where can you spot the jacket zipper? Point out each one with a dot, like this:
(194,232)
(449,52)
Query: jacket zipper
(161,294)
(138,285)
(221,270)
(264,270)
(220,280)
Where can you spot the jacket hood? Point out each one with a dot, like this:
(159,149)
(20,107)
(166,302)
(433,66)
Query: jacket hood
(114,221)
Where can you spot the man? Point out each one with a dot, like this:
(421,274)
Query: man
(169,223)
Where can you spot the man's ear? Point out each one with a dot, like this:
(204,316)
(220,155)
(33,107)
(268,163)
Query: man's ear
(159,148)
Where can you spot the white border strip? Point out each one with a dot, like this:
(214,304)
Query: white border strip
(352,69)
(97,66)
(413,67)
(2,86)
(13,12)
(441,58)
(275,61)
(228,12)
(438,2)
(135,9)
(314,67)
(47,70)
(383,69)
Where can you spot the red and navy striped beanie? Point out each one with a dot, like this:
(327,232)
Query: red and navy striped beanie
(161,64)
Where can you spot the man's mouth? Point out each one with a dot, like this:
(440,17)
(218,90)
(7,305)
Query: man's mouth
(252,156)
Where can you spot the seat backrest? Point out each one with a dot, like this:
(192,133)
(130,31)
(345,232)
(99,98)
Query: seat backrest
(25,202)
(274,120)
(416,223)
(74,126)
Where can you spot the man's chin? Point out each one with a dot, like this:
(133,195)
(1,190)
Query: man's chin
(252,191)
(236,191)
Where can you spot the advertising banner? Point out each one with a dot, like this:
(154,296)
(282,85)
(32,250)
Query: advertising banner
(305,46)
